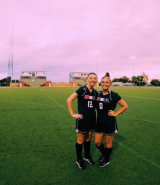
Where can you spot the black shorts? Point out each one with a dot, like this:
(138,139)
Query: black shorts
(85,126)
(106,128)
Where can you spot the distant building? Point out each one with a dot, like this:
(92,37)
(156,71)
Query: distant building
(117,83)
(80,77)
(148,84)
(14,80)
(74,76)
(33,75)
(128,84)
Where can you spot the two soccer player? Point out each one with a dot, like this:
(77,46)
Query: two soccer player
(105,101)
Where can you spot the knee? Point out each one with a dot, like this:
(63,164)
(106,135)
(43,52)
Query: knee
(88,136)
(108,145)
(97,143)
(80,141)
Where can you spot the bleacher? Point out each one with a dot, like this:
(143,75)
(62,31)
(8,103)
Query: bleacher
(33,78)
(80,77)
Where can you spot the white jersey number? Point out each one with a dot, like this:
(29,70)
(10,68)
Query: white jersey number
(90,105)
(100,105)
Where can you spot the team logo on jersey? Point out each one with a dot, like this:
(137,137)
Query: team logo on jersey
(106,100)
(92,97)
(89,97)
(103,99)
(86,97)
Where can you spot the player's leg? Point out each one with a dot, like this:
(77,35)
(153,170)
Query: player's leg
(108,150)
(109,146)
(81,130)
(87,147)
(87,144)
(79,144)
(98,142)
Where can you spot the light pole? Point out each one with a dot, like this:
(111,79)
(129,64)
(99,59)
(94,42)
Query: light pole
(133,67)
(97,53)
(133,57)
(97,65)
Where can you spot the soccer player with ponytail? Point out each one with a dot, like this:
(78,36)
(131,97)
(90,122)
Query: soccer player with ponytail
(106,119)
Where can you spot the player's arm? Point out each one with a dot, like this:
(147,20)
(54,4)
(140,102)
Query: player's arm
(70,106)
(123,105)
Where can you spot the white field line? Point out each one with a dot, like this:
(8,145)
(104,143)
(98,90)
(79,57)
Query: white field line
(142,119)
(51,90)
(121,94)
(127,148)
(26,103)
(54,100)
(140,97)
(139,156)
(66,118)
(124,116)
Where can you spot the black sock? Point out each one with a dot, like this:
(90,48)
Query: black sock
(87,146)
(108,152)
(101,148)
(79,151)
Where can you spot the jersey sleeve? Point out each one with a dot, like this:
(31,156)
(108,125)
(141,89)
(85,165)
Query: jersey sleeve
(116,97)
(80,91)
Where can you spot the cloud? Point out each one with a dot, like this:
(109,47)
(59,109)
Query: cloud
(64,36)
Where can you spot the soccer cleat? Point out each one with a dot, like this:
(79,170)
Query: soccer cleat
(80,164)
(103,163)
(101,158)
(89,160)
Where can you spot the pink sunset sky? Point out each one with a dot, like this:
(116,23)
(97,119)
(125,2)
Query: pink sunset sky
(121,37)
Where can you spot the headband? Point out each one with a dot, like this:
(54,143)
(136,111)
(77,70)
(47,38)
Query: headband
(106,77)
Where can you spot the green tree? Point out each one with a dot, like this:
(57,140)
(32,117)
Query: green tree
(3,82)
(145,77)
(133,79)
(124,79)
(155,82)
(138,80)
(115,80)
(8,79)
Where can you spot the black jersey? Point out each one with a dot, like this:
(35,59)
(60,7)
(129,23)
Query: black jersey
(86,103)
(105,103)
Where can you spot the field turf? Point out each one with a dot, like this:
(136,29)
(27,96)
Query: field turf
(37,139)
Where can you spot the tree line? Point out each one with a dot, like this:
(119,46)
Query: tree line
(139,80)
(5,81)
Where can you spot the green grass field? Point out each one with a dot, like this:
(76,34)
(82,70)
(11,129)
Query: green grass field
(37,136)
